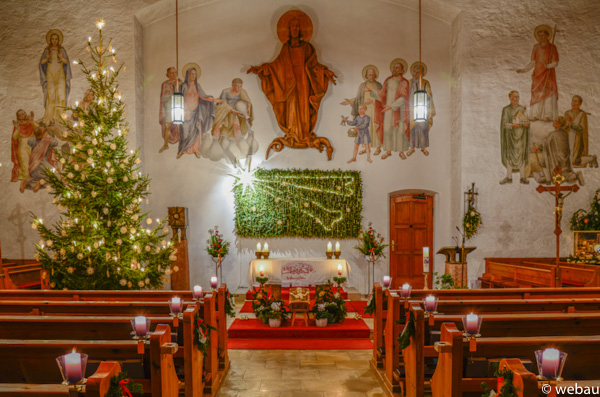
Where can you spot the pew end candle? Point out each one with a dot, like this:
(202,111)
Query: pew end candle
(387,281)
(430,303)
(175,305)
(213,282)
(550,363)
(197,292)
(141,326)
(472,324)
(72,367)
(406,289)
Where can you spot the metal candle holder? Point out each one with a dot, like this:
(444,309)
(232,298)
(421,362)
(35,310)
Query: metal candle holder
(337,254)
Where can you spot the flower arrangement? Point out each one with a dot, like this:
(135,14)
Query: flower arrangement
(217,248)
(333,301)
(202,334)
(319,312)
(471,222)
(262,305)
(277,310)
(371,243)
(121,385)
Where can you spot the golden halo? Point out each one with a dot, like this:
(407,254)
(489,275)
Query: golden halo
(283,25)
(402,61)
(58,33)
(364,71)
(189,66)
(417,64)
(543,27)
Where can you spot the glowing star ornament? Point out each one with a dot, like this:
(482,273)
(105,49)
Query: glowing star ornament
(245,178)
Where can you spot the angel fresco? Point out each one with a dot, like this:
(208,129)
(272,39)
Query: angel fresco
(295,83)
(55,76)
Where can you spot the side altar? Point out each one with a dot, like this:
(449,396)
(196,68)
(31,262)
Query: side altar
(298,271)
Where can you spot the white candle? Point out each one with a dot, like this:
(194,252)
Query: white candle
(550,360)
(175,304)
(472,324)
(339,269)
(266,249)
(387,280)
(430,303)
(197,291)
(337,247)
(73,367)
(258,248)
(262,270)
(213,281)
(425,259)
(329,246)
(406,290)
(140,326)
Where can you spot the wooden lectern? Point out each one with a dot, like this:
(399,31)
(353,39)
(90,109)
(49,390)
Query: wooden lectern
(454,266)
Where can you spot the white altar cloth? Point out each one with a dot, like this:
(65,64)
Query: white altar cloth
(298,271)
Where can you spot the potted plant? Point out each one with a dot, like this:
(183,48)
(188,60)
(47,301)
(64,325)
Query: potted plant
(333,301)
(276,313)
(321,315)
(261,302)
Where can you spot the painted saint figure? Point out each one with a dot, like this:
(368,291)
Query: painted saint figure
(363,136)
(555,152)
(233,116)
(514,139)
(419,132)
(20,150)
(365,96)
(42,156)
(577,123)
(393,123)
(170,131)
(199,112)
(544,90)
(55,76)
(295,83)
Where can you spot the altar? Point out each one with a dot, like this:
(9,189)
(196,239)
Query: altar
(298,271)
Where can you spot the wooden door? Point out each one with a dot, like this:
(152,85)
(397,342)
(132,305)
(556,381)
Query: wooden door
(411,229)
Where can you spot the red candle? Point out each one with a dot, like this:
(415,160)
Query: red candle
(140,326)
(472,324)
(550,360)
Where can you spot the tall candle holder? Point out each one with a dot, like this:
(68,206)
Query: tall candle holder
(550,363)
(141,331)
(72,369)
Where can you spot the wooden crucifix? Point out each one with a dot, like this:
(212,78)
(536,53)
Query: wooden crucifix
(559,200)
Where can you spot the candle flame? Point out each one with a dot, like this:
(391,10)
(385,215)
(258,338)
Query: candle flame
(100,23)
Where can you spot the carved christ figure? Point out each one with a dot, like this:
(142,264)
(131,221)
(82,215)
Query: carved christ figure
(295,83)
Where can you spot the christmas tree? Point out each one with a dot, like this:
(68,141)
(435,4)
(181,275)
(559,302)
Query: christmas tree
(102,240)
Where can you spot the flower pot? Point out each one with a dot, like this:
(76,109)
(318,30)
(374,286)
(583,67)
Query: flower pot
(274,322)
(321,322)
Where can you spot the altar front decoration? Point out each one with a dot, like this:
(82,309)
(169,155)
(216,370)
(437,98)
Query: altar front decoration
(297,271)
(298,203)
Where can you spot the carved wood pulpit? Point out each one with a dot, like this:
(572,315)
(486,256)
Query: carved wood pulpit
(180,280)
(454,266)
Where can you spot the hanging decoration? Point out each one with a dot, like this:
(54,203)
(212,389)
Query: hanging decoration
(298,203)
(472,218)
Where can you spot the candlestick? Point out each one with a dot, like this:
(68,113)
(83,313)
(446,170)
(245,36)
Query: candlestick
(258,248)
(337,246)
(472,324)
(73,373)
(197,292)
(406,288)
(175,305)
(430,303)
(262,270)
(213,281)
(550,360)
(140,326)
(387,280)
(329,249)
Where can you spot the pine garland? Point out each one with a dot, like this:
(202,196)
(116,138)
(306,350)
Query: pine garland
(471,222)
(505,376)
(121,382)
(299,203)
(100,241)
(409,330)
(370,308)
(202,334)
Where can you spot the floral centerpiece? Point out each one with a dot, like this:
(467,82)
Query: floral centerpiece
(371,243)
(217,248)
(262,305)
(333,301)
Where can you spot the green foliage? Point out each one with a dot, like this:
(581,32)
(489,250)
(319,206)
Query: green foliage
(370,308)
(330,296)
(507,388)
(299,203)
(588,220)
(216,246)
(319,312)
(202,334)
(444,281)
(371,243)
(229,305)
(265,305)
(407,332)
(120,381)
(471,222)
(100,241)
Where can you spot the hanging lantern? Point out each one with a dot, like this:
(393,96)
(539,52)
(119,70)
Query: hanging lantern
(421,100)
(177,108)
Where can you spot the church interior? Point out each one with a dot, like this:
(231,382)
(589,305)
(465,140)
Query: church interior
(257,198)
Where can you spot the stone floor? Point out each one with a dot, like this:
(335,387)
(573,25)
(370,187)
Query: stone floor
(300,373)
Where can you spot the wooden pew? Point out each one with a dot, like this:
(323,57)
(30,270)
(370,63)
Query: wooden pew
(379,318)
(97,384)
(502,275)
(23,276)
(37,364)
(448,379)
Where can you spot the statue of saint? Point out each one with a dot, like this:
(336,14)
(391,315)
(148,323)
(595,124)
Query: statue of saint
(295,83)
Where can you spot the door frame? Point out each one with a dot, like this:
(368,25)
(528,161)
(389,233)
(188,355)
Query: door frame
(432,251)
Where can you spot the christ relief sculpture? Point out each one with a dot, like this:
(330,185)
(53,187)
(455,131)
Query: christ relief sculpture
(295,83)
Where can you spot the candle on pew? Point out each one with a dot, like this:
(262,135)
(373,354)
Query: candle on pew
(213,281)
(197,292)
(337,246)
(339,269)
(175,304)
(258,247)
(550,360)
(140,326)
(73,367)
(472,324)
(266,248)
(262,270)
(406,290)
(430,303)
(329,247)
(387,280)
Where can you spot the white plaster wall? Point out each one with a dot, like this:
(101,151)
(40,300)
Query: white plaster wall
(225,44)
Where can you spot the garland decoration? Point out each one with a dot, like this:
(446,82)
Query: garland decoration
(298,203)
(370,308)
(229,305)
(121,386)
(584,220)
(202,334)
(471,222)
(407,332)
(505,384)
